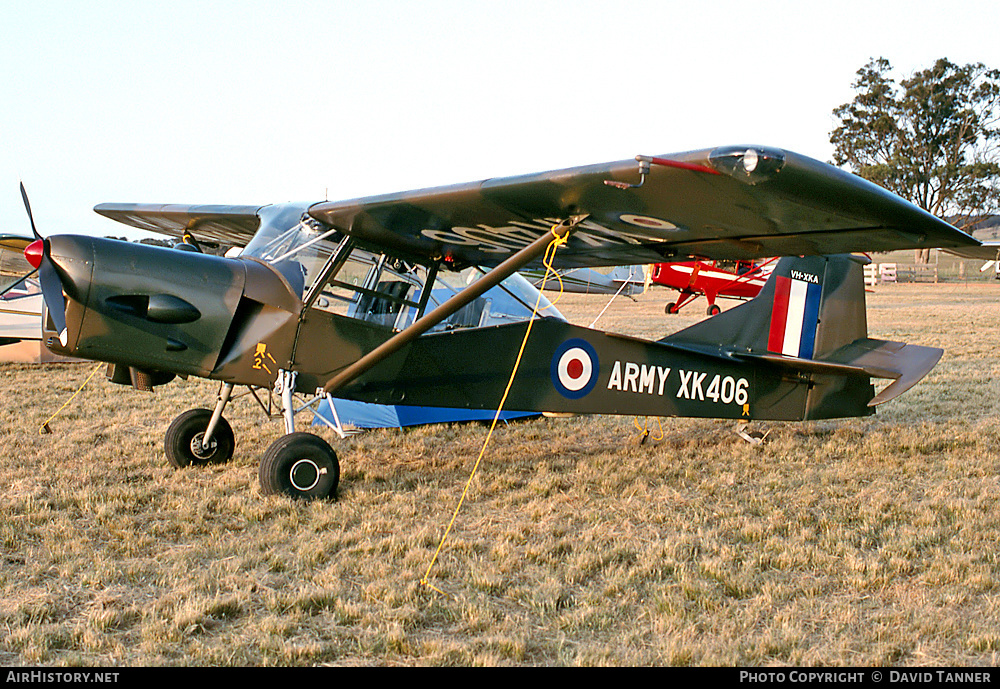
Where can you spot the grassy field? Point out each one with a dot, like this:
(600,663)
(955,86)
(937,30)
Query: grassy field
(854,542)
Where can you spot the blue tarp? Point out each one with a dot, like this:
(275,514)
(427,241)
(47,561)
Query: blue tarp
(365,415)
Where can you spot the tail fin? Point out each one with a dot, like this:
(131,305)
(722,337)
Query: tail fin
(809,319)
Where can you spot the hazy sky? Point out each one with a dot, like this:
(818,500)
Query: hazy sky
(257,102)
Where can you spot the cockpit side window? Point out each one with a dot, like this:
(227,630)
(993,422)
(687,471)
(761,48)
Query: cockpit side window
(374,288)
(511,301)
(393,293)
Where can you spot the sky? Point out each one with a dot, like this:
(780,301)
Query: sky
(255,102)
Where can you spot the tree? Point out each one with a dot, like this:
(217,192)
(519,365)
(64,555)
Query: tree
(933,138)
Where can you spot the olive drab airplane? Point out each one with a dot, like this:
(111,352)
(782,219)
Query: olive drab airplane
(380,299)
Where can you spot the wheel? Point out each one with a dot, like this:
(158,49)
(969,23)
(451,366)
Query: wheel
(671,308)
(714,310)
(300,465)
(182,442)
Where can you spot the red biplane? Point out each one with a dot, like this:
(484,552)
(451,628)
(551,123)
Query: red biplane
(729,279)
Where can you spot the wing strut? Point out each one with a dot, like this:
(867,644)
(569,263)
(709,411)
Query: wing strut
(476,289)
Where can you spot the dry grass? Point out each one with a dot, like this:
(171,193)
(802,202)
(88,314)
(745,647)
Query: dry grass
(857,542)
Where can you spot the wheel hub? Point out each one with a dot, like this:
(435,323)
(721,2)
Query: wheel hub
(305,474)
(199,450)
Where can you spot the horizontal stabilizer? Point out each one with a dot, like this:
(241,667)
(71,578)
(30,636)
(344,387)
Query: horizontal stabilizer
(905,364)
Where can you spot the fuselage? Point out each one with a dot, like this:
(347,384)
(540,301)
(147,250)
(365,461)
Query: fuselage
(706,277)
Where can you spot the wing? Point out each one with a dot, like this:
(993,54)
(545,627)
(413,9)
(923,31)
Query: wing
(231,225)
(15,242)
(724,203)
(988,251)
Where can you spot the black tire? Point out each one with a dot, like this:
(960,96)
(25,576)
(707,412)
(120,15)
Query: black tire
(182,442)
(671,308)
(300,465)
(714,310)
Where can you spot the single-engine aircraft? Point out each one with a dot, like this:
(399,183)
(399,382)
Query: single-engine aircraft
(334,299)
(714,279)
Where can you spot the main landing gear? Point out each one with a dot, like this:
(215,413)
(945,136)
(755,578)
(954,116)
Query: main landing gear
(675,307)
(185,445)
(298,465)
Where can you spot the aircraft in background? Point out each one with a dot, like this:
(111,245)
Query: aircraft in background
(713,279)
(20,306)
(625,280)
(337,300)
(21,312)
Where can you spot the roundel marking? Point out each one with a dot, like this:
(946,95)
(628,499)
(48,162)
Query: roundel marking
(575,368)
(646,221)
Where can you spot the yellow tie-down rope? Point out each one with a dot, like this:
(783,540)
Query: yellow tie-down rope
(644,430)
(550,252)
(44,428)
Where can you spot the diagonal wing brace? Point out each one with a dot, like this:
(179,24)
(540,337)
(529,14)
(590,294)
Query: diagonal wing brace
(451,306)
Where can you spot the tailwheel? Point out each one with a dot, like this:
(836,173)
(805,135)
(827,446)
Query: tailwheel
(300,465)
(183,442)
(754,437)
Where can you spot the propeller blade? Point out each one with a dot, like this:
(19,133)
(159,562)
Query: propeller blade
(52,293)
(48,278)
(27,207)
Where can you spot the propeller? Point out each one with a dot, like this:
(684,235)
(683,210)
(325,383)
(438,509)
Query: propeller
(27,207)
(37,254)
